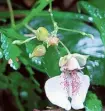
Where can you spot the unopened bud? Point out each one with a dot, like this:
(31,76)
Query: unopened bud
(38,51)
(42,34)
(52,41)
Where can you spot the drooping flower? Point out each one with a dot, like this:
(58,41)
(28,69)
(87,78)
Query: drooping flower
(72,83)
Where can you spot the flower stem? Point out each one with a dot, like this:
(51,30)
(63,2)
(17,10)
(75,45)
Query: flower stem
(29,39)
(53,21)
(11,13)
(18,42)
(76,31)
(65,47)
(51,14)
(56,28)
(31,29)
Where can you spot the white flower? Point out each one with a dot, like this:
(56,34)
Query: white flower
(71,83)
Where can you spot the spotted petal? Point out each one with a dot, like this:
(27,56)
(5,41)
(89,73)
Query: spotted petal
(78,98)
(56,93)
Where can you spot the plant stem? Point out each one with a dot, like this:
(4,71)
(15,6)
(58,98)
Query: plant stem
(65,47)
(17,100)
(51,14)
(29,39)
(52,19)
(33,13)
(19,103)
(18,42)
(31,29)
(76,31)
(11,13)
(31,72)
(74,16)
(56,28)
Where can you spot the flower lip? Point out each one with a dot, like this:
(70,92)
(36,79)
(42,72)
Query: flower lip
(58,92)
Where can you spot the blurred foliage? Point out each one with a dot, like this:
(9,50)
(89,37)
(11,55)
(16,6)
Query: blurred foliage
(27,88)
(93,103)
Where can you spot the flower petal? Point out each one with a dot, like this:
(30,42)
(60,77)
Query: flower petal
(79,98)
(56,94)
(81,59)
(73,64)
(63,60)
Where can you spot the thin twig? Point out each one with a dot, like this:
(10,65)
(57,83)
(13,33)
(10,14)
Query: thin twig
(11,13)
(77,31)
(64,47)
(30,28)
(52,19)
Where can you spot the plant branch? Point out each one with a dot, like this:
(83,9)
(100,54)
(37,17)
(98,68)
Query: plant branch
(33,13)
(69,15)
(31,29)
(64,46)
(19,103)
(77,31)
(19,42)
(11,13)
(53,21)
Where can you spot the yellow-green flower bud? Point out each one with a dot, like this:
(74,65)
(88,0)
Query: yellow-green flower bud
(38,51)
(42,34)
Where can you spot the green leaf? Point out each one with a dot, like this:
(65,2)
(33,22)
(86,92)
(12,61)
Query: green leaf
(11,52)
(70,15)
(92,103)
(12,33)
(33,100)
(25,89)
(51,61)
(1,53)
(3,66)
(98,4)
(16,78)
(98,17)
(99,20)
(3,82)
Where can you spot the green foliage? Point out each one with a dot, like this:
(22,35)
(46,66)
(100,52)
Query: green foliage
(98,4)
(51,65)
(1,53)
(98,17)
(3,82)
(9,50)
(92,103)
(26,88)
